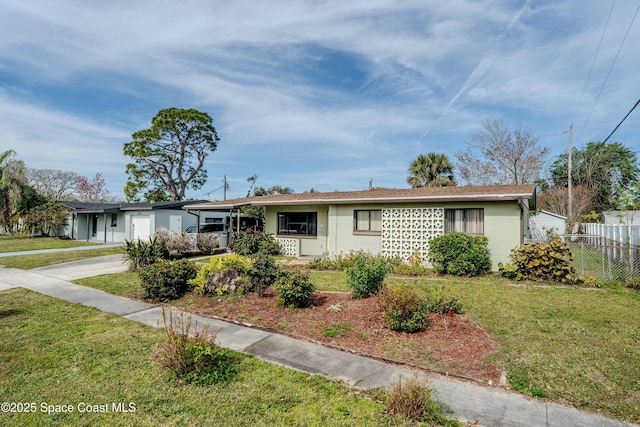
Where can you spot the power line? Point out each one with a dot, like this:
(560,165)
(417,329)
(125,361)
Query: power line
(621,121)
(584,89)
(609,72)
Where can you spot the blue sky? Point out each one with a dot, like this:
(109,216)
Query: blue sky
(322,94)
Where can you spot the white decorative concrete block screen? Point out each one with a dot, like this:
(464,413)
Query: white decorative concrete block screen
(290,247)
(405,231)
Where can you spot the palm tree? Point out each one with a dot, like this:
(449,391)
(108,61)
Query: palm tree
(431,170)
(11,186)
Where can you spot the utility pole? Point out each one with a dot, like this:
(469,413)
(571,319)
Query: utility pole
(569,179)
(225,187)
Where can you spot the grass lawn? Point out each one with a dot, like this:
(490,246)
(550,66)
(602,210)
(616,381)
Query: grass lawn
(57,353)
(26,243)
(579,346)
(27,262)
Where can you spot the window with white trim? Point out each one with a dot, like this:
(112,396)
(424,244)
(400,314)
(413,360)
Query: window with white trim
(367,220)
(468,221)
(298,223)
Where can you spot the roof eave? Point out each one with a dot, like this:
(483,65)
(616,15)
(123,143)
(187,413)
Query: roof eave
(362,200)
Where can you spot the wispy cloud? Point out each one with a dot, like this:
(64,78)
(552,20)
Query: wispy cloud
(299,88)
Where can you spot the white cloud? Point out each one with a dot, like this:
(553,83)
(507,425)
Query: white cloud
(371,82)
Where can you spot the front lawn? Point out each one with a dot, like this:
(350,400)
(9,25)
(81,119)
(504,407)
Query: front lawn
(26,243)
(27,262)
(62,356)
(574,345)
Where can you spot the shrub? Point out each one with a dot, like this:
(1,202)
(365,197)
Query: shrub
(413,268)
(403,309)
(194,357)
(251,242)
(366,276)
(414,400)
(207,243)
(264,273)
(177,244)
(460,254)
(344,261)
(439,302)
(542,261)
(294,289)
(140,253)
(241,264)
(167,280)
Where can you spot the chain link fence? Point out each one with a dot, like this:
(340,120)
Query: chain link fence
(604,258)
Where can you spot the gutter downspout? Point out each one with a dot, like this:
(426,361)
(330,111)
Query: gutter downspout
(522,216)
(197,215)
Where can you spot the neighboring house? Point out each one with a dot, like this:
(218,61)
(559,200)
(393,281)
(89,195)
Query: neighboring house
(545,224)
(392,222)
(117,222)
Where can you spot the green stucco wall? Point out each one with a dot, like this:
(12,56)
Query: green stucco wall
(502,225)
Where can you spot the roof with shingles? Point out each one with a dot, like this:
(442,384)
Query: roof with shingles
(86,207)
(408,195)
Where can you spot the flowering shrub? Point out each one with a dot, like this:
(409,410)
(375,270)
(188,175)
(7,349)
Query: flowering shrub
(178,244)
(207,243)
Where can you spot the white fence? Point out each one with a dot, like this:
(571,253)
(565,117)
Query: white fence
(623,234)
(606,251)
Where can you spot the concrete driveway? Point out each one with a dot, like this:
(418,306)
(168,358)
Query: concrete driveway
(85,268)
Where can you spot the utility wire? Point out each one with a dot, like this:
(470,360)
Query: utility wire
(609,72)
(621,121)
(584,89)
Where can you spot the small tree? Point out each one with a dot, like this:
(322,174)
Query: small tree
(47,219)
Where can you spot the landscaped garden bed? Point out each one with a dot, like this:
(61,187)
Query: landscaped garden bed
(451,344)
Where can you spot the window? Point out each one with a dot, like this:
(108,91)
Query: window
(114,220)
(469,221)
(298,223)
(367,221)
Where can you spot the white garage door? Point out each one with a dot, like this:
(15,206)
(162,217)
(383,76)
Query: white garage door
(140,227)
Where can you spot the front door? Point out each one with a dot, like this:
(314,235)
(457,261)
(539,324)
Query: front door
(140,228)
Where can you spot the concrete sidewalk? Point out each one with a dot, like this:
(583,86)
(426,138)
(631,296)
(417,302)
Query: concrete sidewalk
(469,401)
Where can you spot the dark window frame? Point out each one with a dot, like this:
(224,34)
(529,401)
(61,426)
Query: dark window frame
(298,224)
(370,221)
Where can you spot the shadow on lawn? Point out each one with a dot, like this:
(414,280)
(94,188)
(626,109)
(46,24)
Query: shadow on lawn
(10,312)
